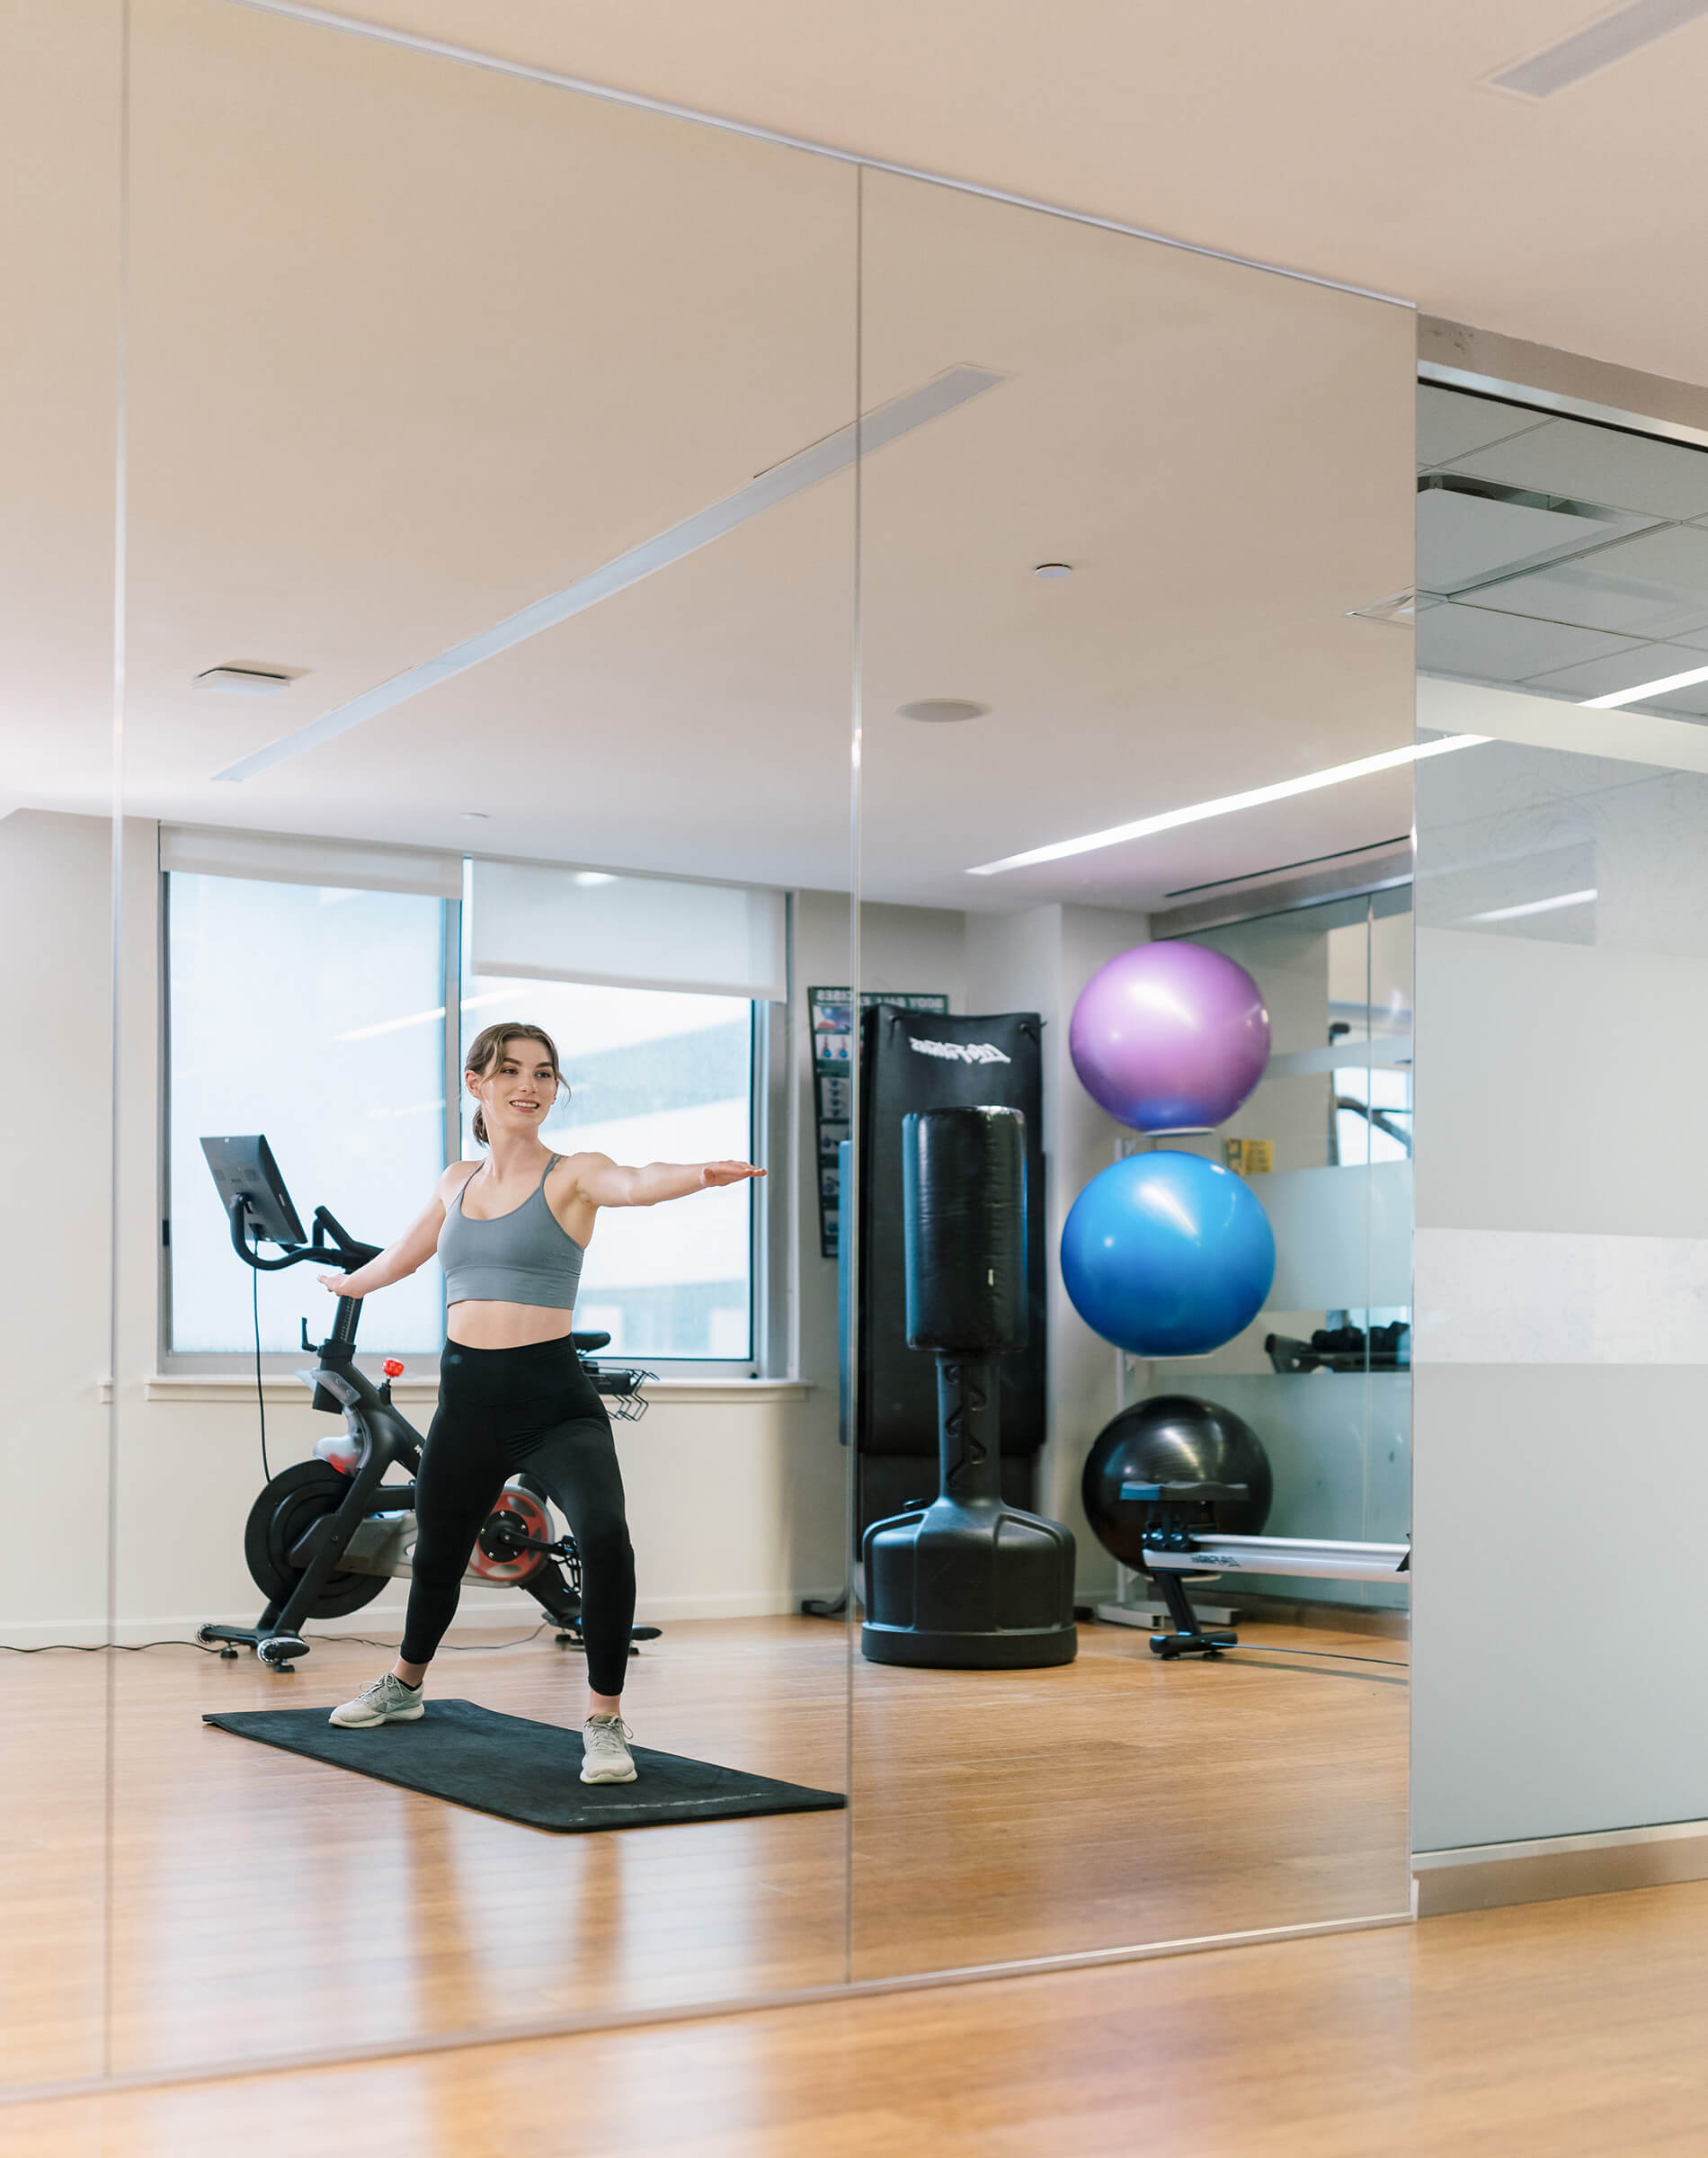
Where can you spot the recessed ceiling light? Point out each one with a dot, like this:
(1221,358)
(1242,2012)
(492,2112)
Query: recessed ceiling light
(1053,569)
(942,708)
(243,682)
(1587,51)
(1657,687)
(474,816)
(1225,806)
(586,876)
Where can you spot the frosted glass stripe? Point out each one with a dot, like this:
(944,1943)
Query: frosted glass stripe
(1546,1297)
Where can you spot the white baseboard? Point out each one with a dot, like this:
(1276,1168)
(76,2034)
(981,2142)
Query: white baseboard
(484,1609)
(1479,1876)
(737,1603)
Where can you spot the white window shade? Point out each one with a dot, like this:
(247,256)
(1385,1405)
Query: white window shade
(279,858)
(554,924)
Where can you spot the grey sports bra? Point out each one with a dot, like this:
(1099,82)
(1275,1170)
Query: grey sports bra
(525,1256)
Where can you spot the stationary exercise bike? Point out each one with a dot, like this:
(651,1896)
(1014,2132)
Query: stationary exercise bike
(324,1535)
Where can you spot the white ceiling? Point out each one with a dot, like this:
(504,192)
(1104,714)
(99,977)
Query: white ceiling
(1355,141)
(411,346)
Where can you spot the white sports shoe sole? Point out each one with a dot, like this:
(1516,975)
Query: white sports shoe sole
(594,1772)
(353,1717)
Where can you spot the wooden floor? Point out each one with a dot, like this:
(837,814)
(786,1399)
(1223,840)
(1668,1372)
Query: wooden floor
(1014,1814)
(1553,2030)
(265,1905)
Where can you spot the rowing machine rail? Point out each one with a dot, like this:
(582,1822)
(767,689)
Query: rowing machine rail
(1182,1544)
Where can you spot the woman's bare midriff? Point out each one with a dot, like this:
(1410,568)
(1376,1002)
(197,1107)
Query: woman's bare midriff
(479,1326)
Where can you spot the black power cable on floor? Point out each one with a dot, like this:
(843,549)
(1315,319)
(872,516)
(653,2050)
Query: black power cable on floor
(96,1648)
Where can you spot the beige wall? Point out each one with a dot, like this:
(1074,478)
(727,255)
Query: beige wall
(55,993)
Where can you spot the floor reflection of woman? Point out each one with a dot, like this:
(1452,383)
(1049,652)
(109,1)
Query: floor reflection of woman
(511,1232)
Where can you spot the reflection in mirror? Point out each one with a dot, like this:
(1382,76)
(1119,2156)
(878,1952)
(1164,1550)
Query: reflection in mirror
(491,582)
(58,264)
(1127,615)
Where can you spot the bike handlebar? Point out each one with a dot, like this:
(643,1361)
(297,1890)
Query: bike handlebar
(331,1242)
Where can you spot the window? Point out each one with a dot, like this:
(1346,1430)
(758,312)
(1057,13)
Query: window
(654,1075)
(315,1015)
(1372,1114)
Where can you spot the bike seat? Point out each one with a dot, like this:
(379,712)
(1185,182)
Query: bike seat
(584,1344)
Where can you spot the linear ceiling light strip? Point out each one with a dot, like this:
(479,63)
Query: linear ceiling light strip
(1658,688)
(1333,775)
(550,78)
(793,476)
(1537,906)
(1597,46)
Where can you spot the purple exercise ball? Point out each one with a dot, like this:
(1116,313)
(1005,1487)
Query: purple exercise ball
(1169,1037)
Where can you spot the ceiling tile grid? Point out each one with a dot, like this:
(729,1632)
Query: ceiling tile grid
(1450,425)
(1568,556)
(1491,646)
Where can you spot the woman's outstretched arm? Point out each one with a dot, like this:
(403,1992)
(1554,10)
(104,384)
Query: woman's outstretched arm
(413,1249)
(604,1182)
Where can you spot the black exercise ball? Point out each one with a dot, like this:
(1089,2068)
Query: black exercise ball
(1173,1438)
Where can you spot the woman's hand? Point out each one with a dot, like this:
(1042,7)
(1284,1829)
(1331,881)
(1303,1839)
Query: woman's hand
(340,1285)
(713,1174)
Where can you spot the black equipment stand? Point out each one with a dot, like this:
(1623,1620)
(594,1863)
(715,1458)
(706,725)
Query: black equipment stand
(321,1542)
(1180,1508)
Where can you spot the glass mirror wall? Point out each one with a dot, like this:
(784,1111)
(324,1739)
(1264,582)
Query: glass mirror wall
(491,600)
(1129,607)
(1563,625)
(59,115)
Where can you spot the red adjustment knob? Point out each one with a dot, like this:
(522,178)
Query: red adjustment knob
(392,1368)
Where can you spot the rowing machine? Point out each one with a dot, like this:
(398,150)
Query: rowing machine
(1182,1544)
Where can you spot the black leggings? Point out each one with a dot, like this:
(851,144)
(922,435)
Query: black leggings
(502,1412)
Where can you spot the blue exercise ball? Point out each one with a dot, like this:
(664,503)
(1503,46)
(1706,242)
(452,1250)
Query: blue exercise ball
(1168,1254)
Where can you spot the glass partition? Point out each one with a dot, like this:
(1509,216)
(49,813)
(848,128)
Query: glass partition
(1561,1261)
(491,584)
(1136,688)
(59,256)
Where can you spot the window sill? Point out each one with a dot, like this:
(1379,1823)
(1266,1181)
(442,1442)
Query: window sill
(281,1387)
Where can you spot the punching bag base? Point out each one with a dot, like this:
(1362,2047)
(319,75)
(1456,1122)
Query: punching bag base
(969,1584)
(1021,1649)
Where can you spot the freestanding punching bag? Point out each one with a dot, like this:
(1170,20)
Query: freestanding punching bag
(967,1582)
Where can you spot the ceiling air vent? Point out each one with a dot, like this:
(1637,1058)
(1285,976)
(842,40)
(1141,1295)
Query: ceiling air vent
(243,682)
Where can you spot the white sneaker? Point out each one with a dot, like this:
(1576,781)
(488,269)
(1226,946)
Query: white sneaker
(605,1754)
(387,1701)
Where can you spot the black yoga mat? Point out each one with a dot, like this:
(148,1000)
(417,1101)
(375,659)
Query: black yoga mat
(524,1772)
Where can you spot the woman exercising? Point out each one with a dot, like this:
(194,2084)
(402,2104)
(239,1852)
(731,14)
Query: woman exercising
(511,1233)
